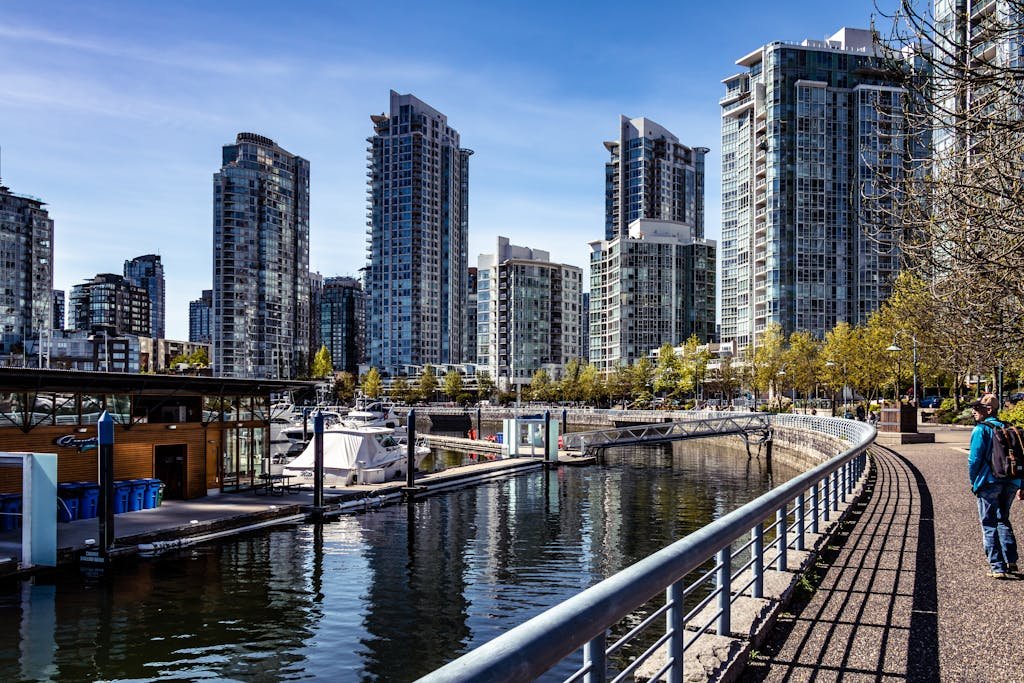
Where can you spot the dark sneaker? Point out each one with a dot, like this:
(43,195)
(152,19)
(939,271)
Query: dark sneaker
(1012,568)
(997,575)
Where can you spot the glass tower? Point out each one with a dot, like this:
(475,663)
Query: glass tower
(148,272)
(418,229)
(528,314)
(652,279)
(342,322)
(200,317)
(805,128)
(26,278)
(260,261)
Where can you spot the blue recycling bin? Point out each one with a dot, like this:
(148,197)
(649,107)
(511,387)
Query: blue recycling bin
(152,489)
(137,497)
(10,506)
(88,500)
(122,496)
(69,497)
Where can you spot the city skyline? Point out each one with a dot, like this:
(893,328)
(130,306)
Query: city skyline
(143,82)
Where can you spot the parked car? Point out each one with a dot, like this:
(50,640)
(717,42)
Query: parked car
(931,401)
(1019,396)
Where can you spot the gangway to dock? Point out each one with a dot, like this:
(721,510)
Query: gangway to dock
(746,425)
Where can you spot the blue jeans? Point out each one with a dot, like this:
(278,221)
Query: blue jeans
(994,502)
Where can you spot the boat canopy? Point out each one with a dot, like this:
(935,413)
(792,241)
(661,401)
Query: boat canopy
(344,449)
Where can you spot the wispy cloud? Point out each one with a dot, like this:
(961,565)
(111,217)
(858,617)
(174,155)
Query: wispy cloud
(196,56)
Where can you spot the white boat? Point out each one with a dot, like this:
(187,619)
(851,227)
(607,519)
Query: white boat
(374,414)
(295,431)
(368,455)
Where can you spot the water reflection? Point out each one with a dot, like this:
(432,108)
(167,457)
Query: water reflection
(387,595)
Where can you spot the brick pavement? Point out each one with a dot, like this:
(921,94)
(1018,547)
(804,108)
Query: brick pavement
(902,593)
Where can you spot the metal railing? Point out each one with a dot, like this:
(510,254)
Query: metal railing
(698,425)
(701,577)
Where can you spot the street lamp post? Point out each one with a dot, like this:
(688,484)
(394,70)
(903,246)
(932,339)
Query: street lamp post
(832,384)
(894,348)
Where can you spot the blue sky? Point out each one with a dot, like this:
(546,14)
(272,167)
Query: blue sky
(115,113)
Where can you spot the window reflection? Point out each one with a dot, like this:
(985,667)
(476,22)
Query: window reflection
(42,410)
(92,408)
(120,408)
(12,408)
(66,409)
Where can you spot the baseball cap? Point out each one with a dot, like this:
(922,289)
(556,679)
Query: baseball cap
(987,402)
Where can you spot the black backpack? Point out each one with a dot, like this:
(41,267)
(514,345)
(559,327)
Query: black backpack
(1007,458)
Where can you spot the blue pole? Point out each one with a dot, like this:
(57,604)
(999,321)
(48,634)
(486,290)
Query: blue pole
(410,465)
(318,462)
(105,439)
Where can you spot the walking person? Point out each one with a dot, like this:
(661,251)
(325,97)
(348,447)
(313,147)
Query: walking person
(994,495)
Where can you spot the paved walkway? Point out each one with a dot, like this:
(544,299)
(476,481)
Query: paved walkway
(903,594)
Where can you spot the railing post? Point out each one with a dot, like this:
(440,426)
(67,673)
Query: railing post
(815,508)
(844,481)
(675,627)
(757,553)
(724,585)
(800,521)
(825,506)
(594,659)
(835,491)
(780,539)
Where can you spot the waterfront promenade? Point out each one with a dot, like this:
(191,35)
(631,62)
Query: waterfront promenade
(901,593)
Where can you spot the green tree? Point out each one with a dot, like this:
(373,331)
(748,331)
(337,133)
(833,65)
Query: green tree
(802,362)
(642,385)
(570,387)
(323,366)
(768,360)
(373,386)
(592,389)
(199,358)
(667,372)
(345,387)
(694,364)
(620,383)
(541,386)
(428,384)
(453,384)
(839,354)
(485,385)
(401,391)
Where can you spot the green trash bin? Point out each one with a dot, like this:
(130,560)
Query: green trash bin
(160,494)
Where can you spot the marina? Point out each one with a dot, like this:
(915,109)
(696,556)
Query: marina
(390,592)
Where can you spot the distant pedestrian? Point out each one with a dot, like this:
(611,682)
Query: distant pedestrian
(994,495)
(860,412)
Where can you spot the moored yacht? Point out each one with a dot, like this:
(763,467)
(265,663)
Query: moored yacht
(364,455)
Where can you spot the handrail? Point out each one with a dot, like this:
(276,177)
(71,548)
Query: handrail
(697,425)
(529,650)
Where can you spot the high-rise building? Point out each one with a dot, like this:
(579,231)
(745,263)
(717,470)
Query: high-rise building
(316,292)
(148,272)
(652,279)
(417,256)
(200,318)
(469,343)
(528,314)
(805,130)
(26,275)
(585,327)
(260,261)
(342,319)
(59,309)
(110,304)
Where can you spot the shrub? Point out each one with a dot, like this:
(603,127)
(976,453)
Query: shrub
(1014,414)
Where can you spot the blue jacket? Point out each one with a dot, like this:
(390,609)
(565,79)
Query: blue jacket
(979,463)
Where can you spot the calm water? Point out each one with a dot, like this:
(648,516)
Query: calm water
(384,596)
